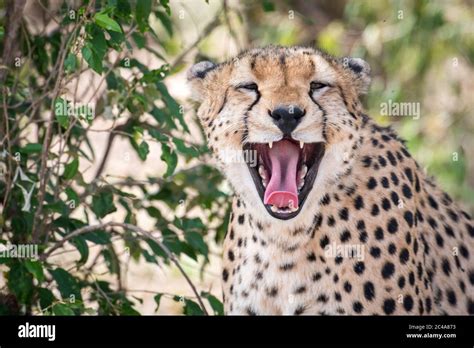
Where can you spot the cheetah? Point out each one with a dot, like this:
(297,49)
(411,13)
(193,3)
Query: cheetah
(331,214)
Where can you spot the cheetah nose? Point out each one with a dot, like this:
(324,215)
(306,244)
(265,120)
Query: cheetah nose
(287,118)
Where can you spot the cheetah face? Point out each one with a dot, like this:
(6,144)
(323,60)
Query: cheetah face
(291,112)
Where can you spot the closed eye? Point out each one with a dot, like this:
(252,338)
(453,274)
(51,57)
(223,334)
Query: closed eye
(248,86)
(314,86)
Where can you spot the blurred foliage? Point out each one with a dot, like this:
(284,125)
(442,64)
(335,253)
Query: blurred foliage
(420,51)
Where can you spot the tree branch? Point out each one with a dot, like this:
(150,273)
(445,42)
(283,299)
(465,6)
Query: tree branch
(138,230)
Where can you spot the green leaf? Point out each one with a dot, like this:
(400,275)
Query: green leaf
(36,269)
(197,242)
(61,112)
(62,309)
(72,198)
(166,5)
(166,21)
(139,39)
(32,148)
(80,243)
(20,282)
(185,150)
(46,298)
(170,158)
(142,12)
(103,20)
(67,284)
(103,203)
(98,237)
(268,6)
(94,62)
(157,301)
(70,62)
(71,169)
(216,305)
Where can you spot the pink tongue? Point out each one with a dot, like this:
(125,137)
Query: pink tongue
(281,190)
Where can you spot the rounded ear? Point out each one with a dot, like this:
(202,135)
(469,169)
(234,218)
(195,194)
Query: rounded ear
(360,71)
(196,75)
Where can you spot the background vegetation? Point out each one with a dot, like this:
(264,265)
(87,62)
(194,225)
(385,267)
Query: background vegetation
(105,168)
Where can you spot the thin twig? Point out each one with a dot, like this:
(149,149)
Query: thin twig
(140,231)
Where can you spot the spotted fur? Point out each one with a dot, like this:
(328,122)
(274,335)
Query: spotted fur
(369,191)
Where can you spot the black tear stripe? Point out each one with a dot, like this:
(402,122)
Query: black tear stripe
(224,102)
(325,118)
(246,115)
(343,96)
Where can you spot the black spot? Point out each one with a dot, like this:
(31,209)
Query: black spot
(395,198)
(392,226)
(432,223)
(378,233)
(392,249)
(326,199)
(324,241)
(375,252)
(411,278)
(358,202)
(272,292)
(432,202)
(357,306)
(453,215)
(409,174)
(344,214)
(366,160)
(361,225)
(401,282)
(337,296)
(384,181)
(363,237)
(386,204)
(345,236)
(347,287)
(231,234)
(375,210)
(316,276)
(241,219)
(471,277)
(470,307)
(408,303)
(391,158)
(449,231)
(388,269)
(251,312)
(408,215)
(225,274)
(406,191)
(311,257)
(331,221)
(404,256)
(389,306)
(322,298)
(394,178)
(287,266)
(446,266)
(451,297)
(372,183)
(231,256)
(359,267)
(299,310)
(300,290)
(382,161)
(369,291)
(464,251)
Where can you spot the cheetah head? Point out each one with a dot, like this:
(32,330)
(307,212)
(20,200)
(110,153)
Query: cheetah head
(291,114)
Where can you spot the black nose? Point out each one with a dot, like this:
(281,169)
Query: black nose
(287,118)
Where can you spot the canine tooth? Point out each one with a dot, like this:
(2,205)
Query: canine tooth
(261,171)
(300,184)
(264,183)
(274,209)
(270,144)
(301,144)
(303,171)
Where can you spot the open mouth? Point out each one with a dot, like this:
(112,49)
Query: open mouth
(284,174)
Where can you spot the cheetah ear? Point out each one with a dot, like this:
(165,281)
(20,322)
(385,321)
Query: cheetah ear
(196,76)
(360,71)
